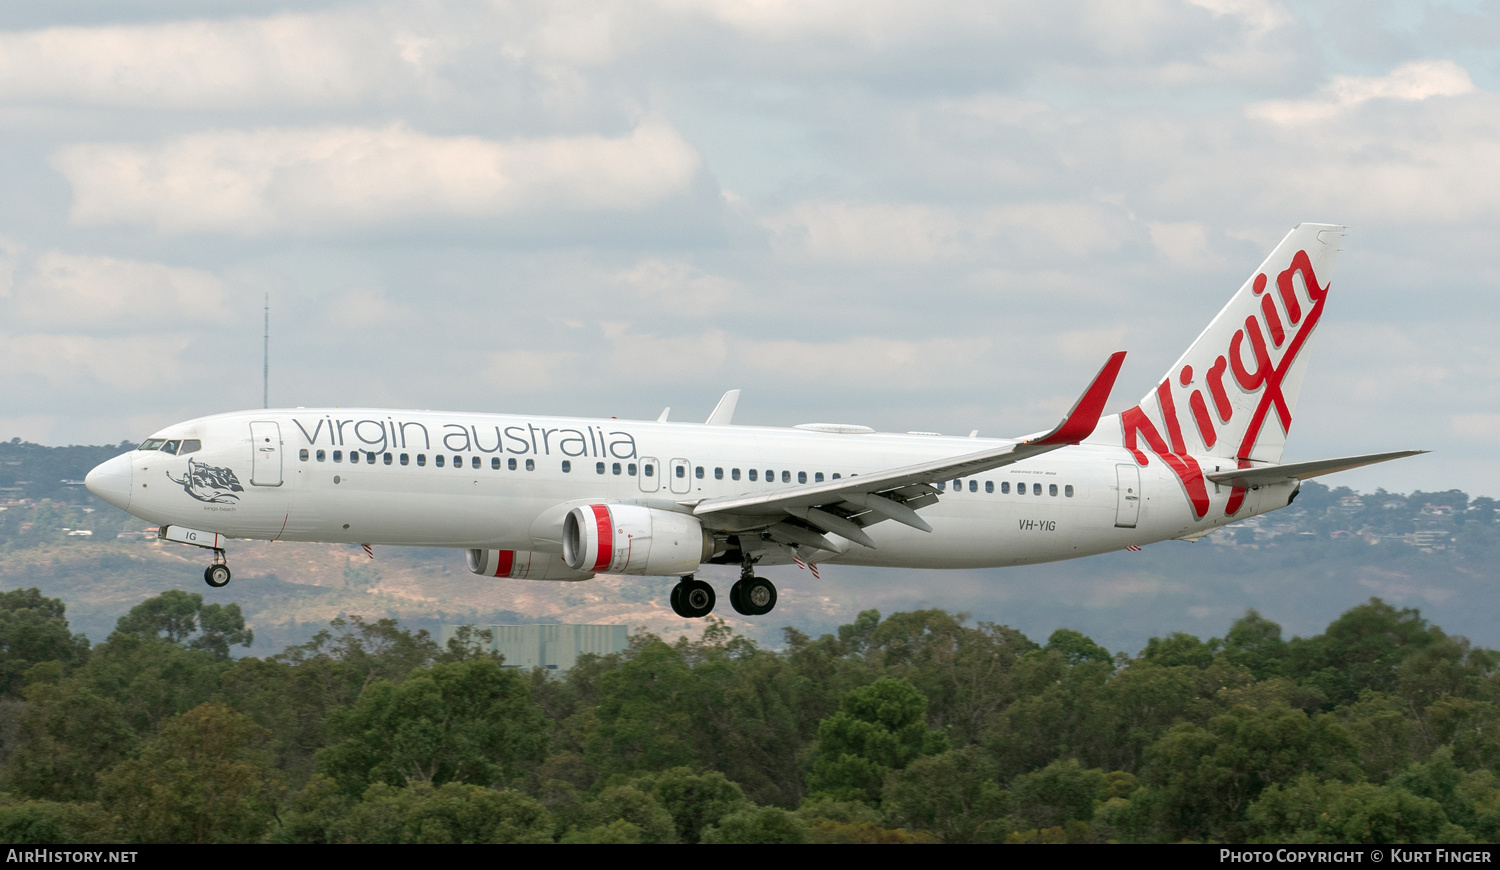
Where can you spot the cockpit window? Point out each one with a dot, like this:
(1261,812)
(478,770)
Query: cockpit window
(152,444)
(191,445)
(170,446)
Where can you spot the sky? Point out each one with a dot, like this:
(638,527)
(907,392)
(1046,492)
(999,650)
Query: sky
(912,216)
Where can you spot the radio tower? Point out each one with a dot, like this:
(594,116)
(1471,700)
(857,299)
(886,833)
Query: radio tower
(265,372)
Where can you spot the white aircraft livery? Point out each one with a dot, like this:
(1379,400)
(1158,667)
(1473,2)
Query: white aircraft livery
(552,498)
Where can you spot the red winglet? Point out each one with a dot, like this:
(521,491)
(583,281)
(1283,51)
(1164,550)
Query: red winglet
(1080,422)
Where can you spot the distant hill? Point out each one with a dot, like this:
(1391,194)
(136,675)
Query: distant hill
(1301,566)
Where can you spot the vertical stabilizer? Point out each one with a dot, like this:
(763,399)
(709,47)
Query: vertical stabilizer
(1233,393)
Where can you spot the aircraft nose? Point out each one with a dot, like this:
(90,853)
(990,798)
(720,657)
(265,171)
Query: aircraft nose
(110,480)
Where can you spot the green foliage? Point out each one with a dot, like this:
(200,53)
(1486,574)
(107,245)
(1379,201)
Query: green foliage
(466,721)
(182,618)
(33,630)
(205,778)
(913,728)
(760,825)
(452,813)
(878,728)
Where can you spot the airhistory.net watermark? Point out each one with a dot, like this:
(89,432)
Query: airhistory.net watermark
(67,856)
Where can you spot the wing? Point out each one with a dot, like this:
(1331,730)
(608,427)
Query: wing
(1302,470)
(800,515)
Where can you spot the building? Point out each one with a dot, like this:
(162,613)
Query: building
(552,647)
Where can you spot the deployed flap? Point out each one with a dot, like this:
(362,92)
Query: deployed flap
(1302,470)
(1079,423)
(724,411)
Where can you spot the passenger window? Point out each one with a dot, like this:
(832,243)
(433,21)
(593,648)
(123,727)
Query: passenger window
(476,462)
(494,463)
(1005,487)
(958,486)
(650,470)
(458,462)
(193,445)
(630,469)
(718,474)
(734,474)
(567,466)
(171,446)
(438,460)
(389,458)
(511,463)
(302,454)
(802,477)
(818,478)
(1068,491)
(338,456)
(753,474)
(1036,489)
(942,486)
(786,477)
(973,486)
(421,459)
(836,475)
(369,459)
(682,471)
(1052,489)
(599,467)
(698,472)
(321,456)
(615,469)
(531,465)
(989,486)
(406,459)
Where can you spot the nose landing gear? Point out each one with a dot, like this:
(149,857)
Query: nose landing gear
(217,574)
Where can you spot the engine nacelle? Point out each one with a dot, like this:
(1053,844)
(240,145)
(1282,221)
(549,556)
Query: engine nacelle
(521,565)
(631,539)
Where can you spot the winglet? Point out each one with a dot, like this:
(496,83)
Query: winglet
(663,417)
(724,411)
(1080,422)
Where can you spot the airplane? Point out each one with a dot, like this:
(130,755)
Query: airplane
(565,499)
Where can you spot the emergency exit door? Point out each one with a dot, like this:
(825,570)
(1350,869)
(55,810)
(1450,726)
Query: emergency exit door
(265,454)
(1128,505)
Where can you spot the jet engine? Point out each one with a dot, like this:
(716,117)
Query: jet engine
(631,539)
(520,565)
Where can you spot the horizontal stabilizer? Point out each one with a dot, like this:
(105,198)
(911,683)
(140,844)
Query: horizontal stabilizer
(1301,470)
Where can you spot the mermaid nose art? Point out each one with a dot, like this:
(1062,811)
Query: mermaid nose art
(110,481)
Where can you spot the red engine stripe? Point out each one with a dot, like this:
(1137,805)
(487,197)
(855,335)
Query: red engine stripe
(504,561)
(606,537)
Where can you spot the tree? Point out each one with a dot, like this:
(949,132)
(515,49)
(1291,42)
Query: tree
(353,654)
(181,618)
(693,799)
(599,819)
(878,728)
(758,825)
(1179,649)
(466,721)
(205,778)
(1077,648)
(954,795)
(33,630)
(1063,791)
(1254,643)
(451,813)
(69,735)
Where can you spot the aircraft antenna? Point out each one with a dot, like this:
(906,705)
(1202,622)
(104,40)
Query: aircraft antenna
(265,371)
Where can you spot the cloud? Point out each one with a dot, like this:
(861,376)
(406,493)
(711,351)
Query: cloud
(679,287)
(529,371)
(1484,428)
(258,181)
(919,233)
(139,363)
(865,362)
(88,292)
(1416,80)
(299,59)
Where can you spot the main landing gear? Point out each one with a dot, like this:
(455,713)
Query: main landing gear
(750,595)
(692,599)
(217,574)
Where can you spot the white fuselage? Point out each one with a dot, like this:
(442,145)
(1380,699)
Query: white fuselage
(506,482)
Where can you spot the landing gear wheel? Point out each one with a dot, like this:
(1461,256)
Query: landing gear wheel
(216,576)
(692,599)
(753,596)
